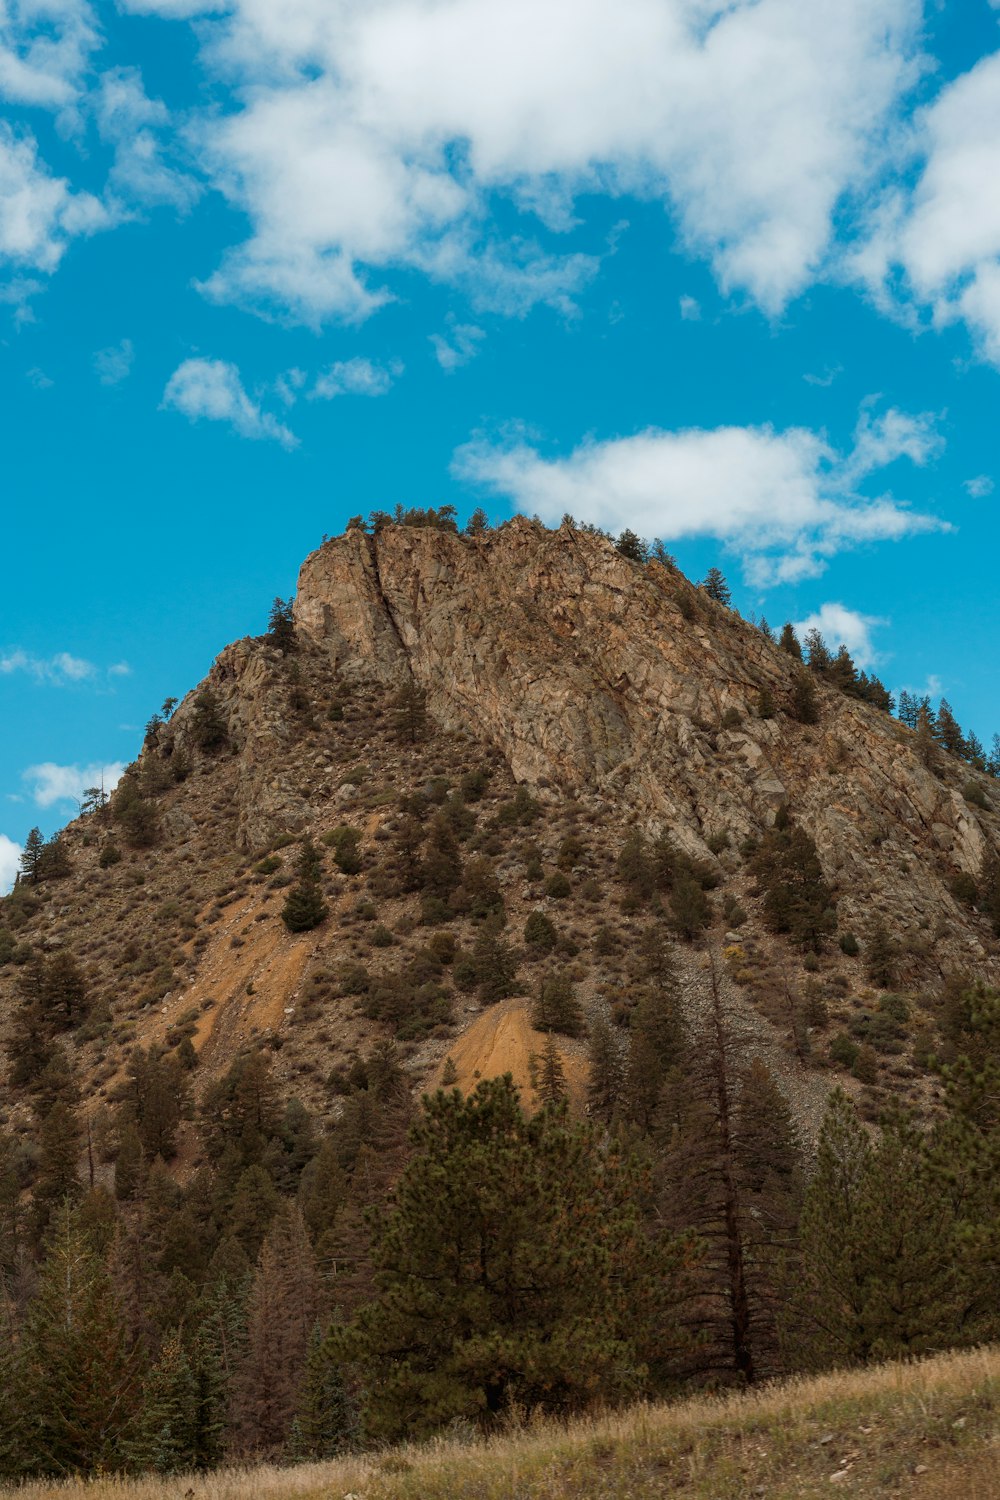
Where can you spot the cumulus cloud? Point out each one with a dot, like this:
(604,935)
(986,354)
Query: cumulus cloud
(212,389)
(361,137)
(39,213)
(783,500)
(840,626)
(50,783)
(114,364)
(690,309)
(356,377)
(943,235)
(10,862)
(59,669)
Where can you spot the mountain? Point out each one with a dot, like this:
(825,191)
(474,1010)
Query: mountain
(509,802)
(610,696)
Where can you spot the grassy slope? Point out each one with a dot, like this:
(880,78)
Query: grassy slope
(930,1429)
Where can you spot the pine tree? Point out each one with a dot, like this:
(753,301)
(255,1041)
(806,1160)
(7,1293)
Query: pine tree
(607,1072)
(512,1267)
(632,547)
(304,906)
(64,994)
(32,855)
(716,587)
(656,1045)
(281,626)
(326,1421)
(281,1312)
(556,1007)
(494,962)
(842,672)
(79,1373)
(947,731)
(550,1085)
(208,728)
(690,911)
(797,899)
(881,956)
(805,706)
(15,1456)
(58,1178)
(163,1438)
(818,653)
(789,641)
(907,712)
(410,712)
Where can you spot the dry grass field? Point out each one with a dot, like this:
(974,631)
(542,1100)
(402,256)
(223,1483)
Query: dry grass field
(930,1429)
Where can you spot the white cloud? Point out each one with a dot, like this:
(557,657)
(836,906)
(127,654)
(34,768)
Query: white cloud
(57,670)
(690,309)
(120,669)
(113,365)
(840,626)
(827,378)
(982,485)
(784,501)
(39,379)
(45,47)
(369,135)
(10,862)
(461,345)
(137,127)
(881,440)
(49,783)
(38,213)
(944,234)
(212,388)
(356,377)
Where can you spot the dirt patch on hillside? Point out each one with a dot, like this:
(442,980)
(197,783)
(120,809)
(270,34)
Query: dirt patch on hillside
(502,1040)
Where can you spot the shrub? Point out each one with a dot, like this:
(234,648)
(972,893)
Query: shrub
(843,1051)
(849,944)
(557,886)
(110,855)
(973,792)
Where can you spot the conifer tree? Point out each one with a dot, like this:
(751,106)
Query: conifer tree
(818,653)
(281,1312)
(326,1421)
(281,626)
(805,706)
(907,711)
(656,1045)
(556,1006)
(690,911)
(789,641)
(79,1373)
(881,956)
(550,1084)
(15,1456)
(512,1267)
(208,728)
(410,712)
(607,1072)
(32,855)
(947,731)
(304,906)
(716,587)
(163,1437)
(495,962)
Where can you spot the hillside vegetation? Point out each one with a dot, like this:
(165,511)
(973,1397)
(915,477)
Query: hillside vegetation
(924,1430)
(514,983)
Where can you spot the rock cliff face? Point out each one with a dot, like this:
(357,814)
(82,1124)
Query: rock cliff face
(628,686)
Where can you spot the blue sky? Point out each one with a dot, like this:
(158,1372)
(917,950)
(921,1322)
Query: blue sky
(724,271)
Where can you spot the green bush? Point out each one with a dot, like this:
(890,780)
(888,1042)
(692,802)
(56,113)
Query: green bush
(843,1051)
(557,886)
(539,933)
